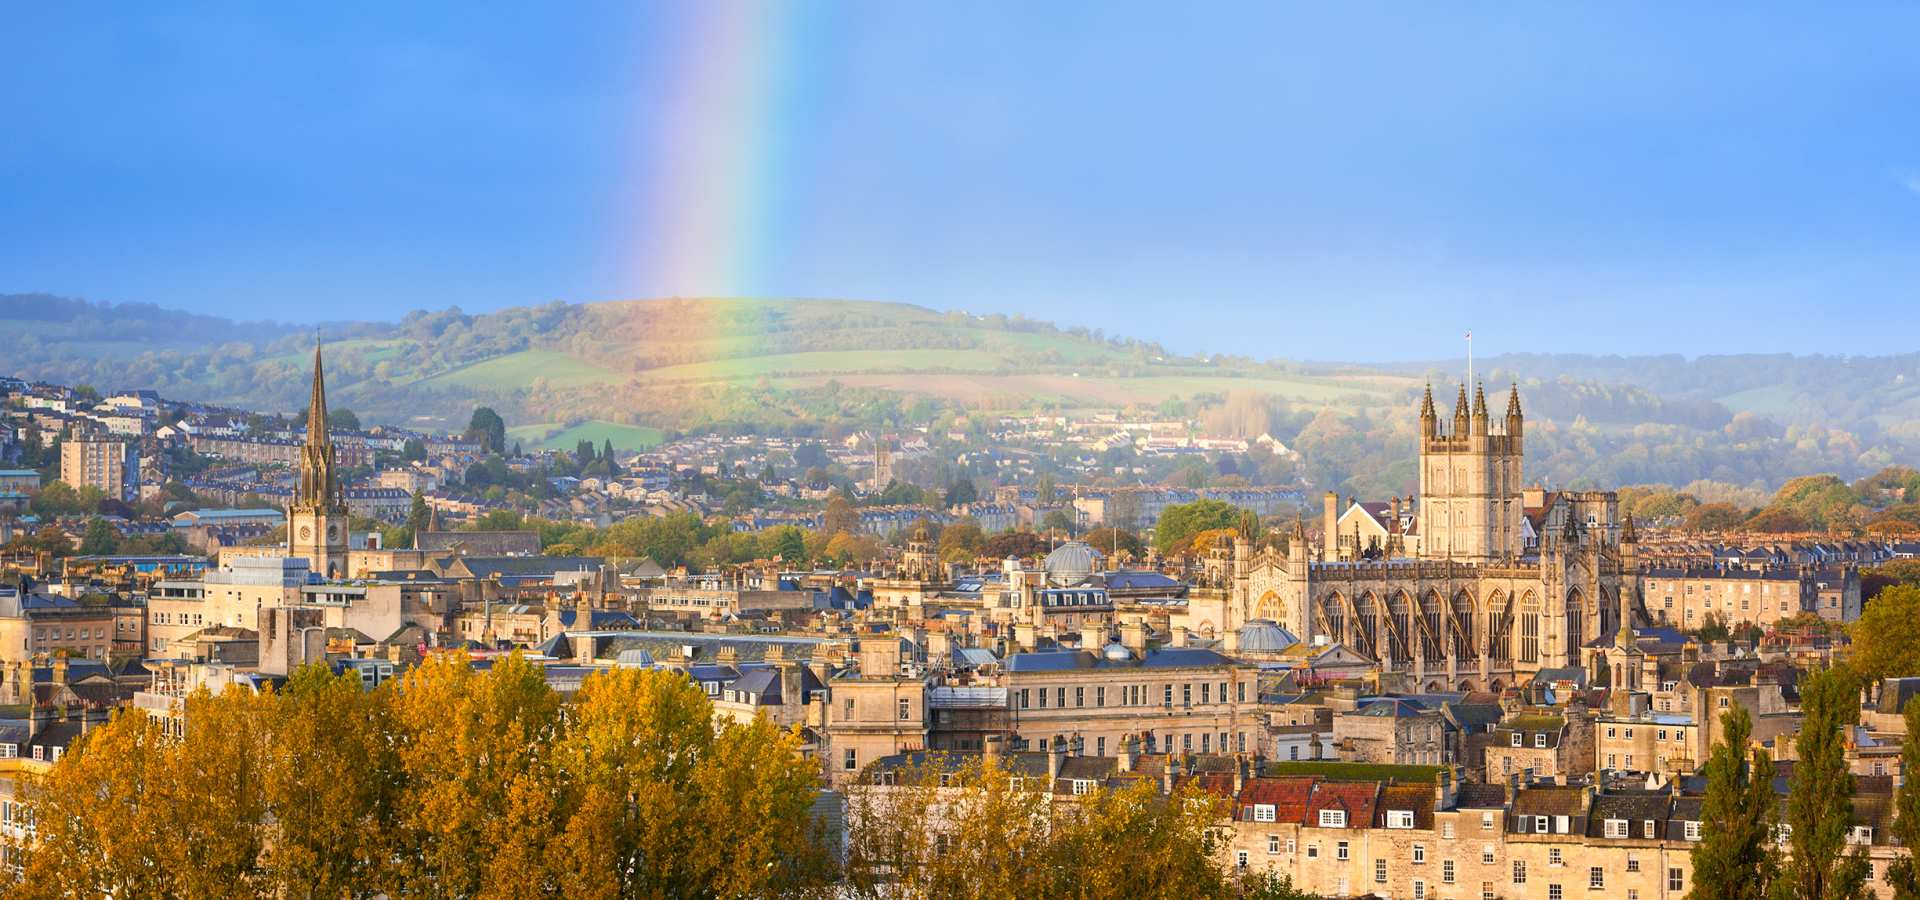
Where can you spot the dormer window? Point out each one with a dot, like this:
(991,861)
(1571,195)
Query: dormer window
(1333,818)
(1519,739)
(1397,818)
(1540,741)
(1082,787)
(1263,812)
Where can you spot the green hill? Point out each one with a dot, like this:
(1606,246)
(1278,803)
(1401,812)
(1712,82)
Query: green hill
(629,371)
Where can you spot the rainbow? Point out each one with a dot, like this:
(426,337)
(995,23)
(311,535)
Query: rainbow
(719,150)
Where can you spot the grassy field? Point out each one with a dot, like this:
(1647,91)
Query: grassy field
(518,370)
(556,436)
(828,361)
(1353,771)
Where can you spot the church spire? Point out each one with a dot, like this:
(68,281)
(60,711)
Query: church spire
(1460,413)
(317,406)
(1513,402)
(1427,416)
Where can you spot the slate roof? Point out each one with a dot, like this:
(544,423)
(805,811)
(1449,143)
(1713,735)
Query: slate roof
(1549,801)
(1635,808)
(487,543)
(1069,660)
(1474,795)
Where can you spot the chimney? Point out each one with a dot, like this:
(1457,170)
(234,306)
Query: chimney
(1166,774)
(60,669)
(993,750)
(1133,635)
(1129,753)
(727,656)
(1092,637)
(1056,758)
(1239,773)
(790,684)
(1330,543)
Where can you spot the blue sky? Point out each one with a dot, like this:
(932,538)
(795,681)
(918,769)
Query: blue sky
(1354,181)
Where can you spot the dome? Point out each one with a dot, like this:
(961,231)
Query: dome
(1117,652)
(1071,563)
(1263,636)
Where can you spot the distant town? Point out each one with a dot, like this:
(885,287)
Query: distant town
(1482,688)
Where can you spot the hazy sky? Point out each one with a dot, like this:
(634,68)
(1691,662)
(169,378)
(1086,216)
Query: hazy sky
(1328,180)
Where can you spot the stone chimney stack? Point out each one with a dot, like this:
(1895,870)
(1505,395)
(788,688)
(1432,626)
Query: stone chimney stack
(1056,758)
(1093,637)
(1330,526)
(1239,773)
(1129,753)
(993,750)
(1166,774)
(1133,636)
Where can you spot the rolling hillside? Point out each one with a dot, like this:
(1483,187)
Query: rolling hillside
(631,371)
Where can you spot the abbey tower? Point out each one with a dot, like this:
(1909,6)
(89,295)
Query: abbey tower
(1470,502)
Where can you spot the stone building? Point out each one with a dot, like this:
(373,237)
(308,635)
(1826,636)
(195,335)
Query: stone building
(1508,580)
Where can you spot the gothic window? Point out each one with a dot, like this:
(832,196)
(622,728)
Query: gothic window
(1499,628)
(1529,629)
(1367,628)
(1463,633)
(1333,616)
(1576,619)
(1397,614)
(1430,620)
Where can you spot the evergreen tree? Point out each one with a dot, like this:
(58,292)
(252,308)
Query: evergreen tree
(100,539)
(489,429)
(1902,874)
(1734,859)
(1820,807)
(419,516)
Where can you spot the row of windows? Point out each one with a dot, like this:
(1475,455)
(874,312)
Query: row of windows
(53,634)
(1129,695)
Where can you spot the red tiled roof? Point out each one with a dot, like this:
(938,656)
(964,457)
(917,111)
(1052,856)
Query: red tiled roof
(1289,797)
(1357,798)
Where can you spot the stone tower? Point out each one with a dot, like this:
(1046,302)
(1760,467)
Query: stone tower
(317,517)
(1470,503)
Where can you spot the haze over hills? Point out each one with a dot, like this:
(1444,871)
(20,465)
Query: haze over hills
(628,371)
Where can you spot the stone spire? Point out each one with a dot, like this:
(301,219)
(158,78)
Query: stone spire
(1479,410)
(1627,534)
(317,435)
(1427,416)
(317,485)
(1460,413)
(1514,421)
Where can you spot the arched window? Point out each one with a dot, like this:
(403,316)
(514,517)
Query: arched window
(1529,628)
(1464,645)
(1368,630)
(1499,628)
(1333,617)
(1430,613)
(1398,614)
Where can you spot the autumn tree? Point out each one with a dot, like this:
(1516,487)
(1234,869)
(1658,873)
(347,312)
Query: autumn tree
(1886,639)
(475,807)
(1902,873)
(330,787)
(1735,860)
(962,541)
(840,516)
(951,829)
(1820,805)
(657,801)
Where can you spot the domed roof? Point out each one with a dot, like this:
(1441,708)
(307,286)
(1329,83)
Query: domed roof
(1116,652)
(1263,636)
(1071,563)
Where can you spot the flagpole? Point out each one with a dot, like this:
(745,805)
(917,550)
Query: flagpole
(1469,360)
